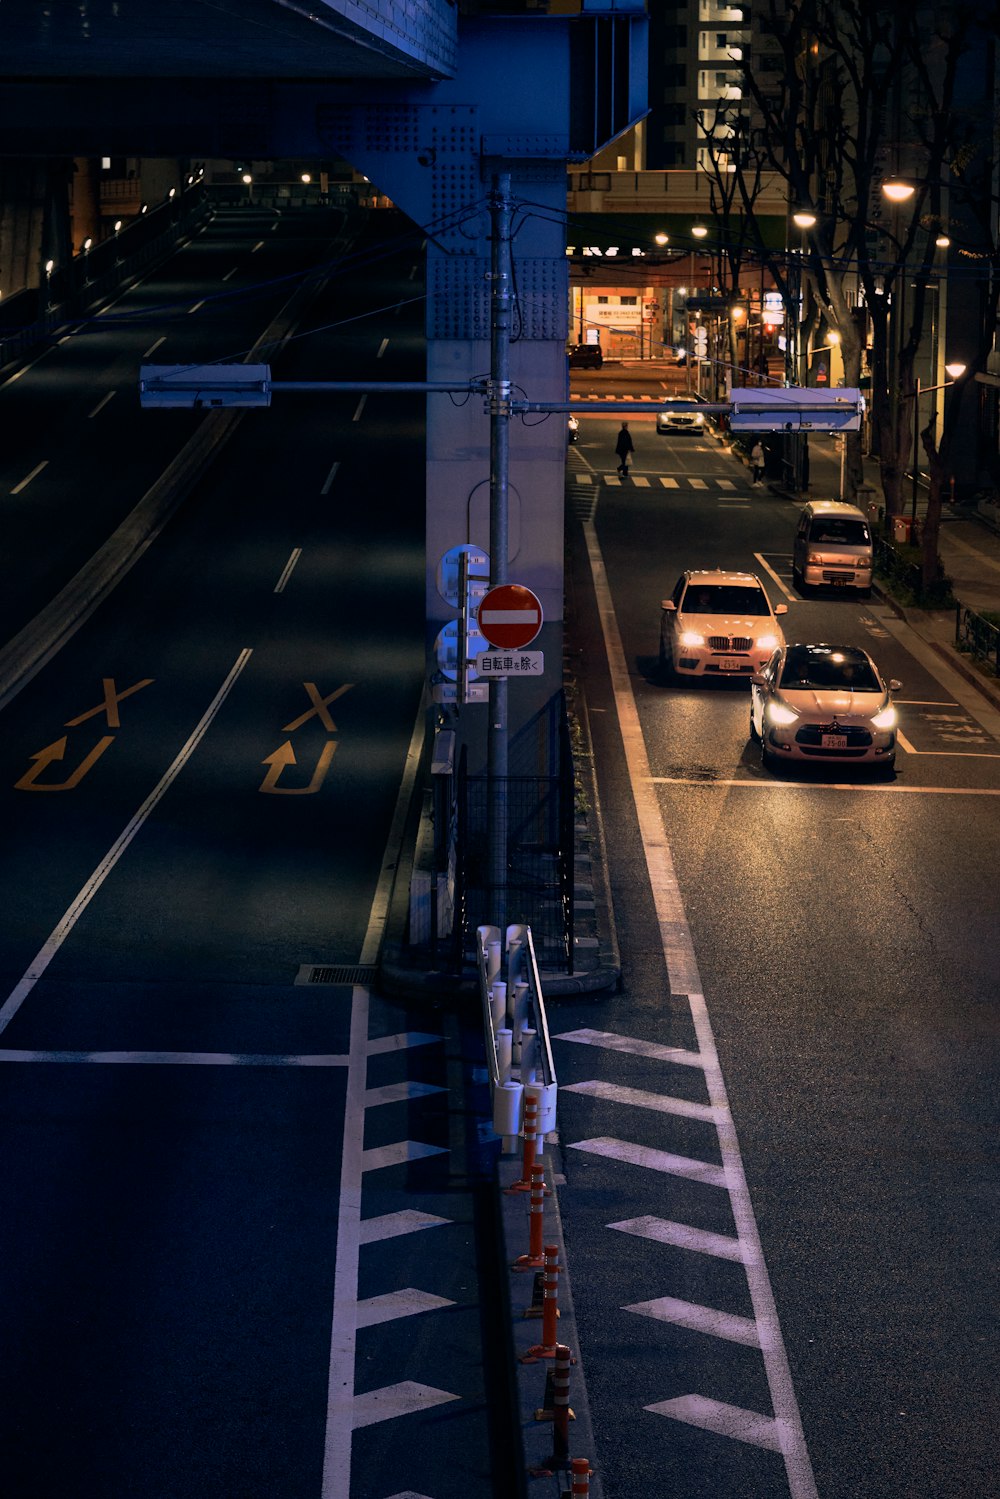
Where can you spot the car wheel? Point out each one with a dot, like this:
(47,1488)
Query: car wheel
(667,672)
(864,593)
(887,769)
(766,758)
(796,579)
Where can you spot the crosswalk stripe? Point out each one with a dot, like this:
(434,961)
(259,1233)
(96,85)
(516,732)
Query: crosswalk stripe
(396,1400)
(394,1304)
(611,1041)
(654,1160)
(681,1236)
(399,1092)
(640,1099)
(724,1420)
(670,483)
(698,484)
(640,481)
(704,1319)
(393,1225)
(397,1153)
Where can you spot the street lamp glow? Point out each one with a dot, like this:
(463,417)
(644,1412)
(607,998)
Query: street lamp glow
(118,225)
(803,219)
(306,177)
(699,231)
(942,242)
(954,370)
(87,244)
(662,239)
(50,266)
(897,191)
(247,178)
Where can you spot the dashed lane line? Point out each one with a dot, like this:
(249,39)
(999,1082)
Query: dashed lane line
(394,1225)
(681,1236)
(611,1041)
(630,1154)
(869,787)
(640,1099)
(704,1319)
(375,1310)
(724,1420)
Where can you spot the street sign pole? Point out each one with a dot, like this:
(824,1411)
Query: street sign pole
(500,315)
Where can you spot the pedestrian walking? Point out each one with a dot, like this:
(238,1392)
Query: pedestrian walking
(757,462)
(624,447)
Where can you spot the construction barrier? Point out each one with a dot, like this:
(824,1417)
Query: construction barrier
(535,1256)
(581,1471)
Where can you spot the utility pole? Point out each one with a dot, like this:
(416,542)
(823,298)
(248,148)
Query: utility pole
(499,405)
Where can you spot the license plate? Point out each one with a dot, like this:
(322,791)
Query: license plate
(834,741)
(728,664)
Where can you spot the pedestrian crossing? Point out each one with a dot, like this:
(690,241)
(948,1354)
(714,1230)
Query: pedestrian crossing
(584,488)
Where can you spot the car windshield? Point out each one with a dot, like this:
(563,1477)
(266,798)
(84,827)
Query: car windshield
(725,598)
(836,530)
(828,671)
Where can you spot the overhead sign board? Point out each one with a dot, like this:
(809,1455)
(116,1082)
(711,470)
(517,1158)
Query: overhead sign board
(510,616)
(792,408)
(204,385)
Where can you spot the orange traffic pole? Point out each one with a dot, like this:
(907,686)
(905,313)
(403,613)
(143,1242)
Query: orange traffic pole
(560,1407)
(536,1219)
(529,1150)
(581,1471)
(550,1307)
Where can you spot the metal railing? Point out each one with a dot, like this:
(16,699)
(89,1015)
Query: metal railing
(978,636)
(540,857)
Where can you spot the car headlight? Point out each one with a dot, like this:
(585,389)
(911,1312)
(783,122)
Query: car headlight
(778,714)
(767,642)
(886,719)
(691,637)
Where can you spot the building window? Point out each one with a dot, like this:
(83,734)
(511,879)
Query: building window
(673,153)
(675,75)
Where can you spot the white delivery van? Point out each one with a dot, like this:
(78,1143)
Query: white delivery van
(833,548)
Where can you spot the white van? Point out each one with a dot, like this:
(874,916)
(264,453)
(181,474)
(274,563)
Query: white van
(833,548)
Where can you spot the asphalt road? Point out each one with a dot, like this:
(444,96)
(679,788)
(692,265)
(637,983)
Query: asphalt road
(243,1204)
(778,1139)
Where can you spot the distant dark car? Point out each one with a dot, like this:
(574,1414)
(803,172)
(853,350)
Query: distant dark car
(585,357)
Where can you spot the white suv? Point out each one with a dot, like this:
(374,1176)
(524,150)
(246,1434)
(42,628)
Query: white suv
(718,624)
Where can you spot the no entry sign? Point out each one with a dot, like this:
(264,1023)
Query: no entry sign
(510,616)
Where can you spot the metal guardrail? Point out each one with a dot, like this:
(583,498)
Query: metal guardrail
(978,636)
(515,1030)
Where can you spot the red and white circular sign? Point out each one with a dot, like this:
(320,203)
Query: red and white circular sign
(510,616)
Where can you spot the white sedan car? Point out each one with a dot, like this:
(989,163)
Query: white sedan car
(825,703)
(677,414)
(718,624)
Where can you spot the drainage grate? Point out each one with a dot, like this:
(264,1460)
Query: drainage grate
(345,973)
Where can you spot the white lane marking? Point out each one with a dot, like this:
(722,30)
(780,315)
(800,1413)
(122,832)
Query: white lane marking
(28,477)
(395,1304)
(681,1236)
(670,483)
(400,1042)
(587,479)
(950,680)
(328,481)
(631,1044)
(774,577)
(870,787)
(382,348)
(288,569)
(640,481)
(638,1098)
(197,306)
(684,978)
(697,484)
(154,346)
(699,1319)
(727,484)
(396,1400)
(358,409)
(394,1225)
(260,243)
(725,1421)
(230,273)
(340,1398)
(399,1093)
(398,1153)
(631,1154)
(177,1058)
(82,900)
(923,702)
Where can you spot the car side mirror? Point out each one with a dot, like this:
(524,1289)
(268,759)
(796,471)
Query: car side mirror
(669,605)
(894,686)
(758,679)
(781,608)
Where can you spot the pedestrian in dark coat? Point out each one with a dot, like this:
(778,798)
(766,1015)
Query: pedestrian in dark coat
(624,447)
(757,461)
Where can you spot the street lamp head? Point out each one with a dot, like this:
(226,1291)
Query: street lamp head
(897,191)
(118,225)
(247,178)
(50,266)
(803,219)
(306,177)
(699,231)
(954,370)
(942,242)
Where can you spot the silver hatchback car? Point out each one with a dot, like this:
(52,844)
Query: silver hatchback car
(823,703)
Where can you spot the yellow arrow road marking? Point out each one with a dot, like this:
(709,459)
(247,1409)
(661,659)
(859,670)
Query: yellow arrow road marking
(56,751)
(110,703)
(319,706)
(285,756)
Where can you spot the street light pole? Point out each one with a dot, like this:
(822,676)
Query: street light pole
(955,370)
(500,398)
